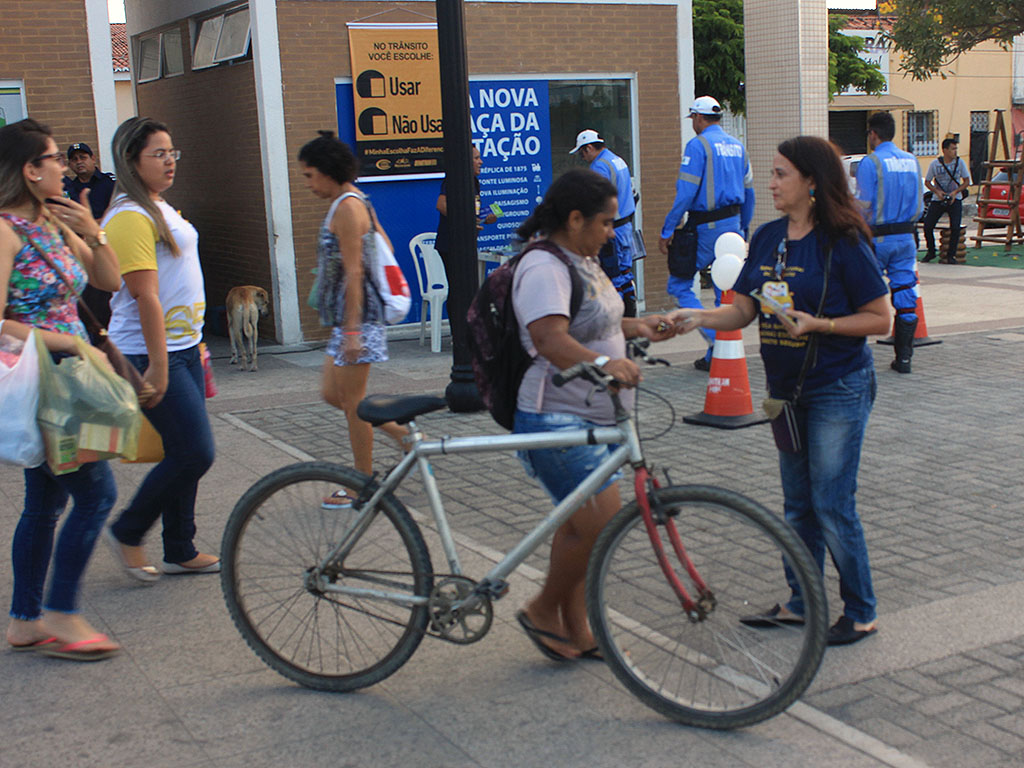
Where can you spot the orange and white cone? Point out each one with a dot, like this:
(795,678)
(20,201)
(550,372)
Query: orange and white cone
(727,403)
(921,337)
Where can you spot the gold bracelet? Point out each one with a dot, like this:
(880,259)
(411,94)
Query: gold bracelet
(831,325)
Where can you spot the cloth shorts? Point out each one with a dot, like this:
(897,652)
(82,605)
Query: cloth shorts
(375,345)
(561,470)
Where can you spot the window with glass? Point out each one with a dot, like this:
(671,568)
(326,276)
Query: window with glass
(173,60)
(920,133)
(149,59)
(221,38)
(603,105)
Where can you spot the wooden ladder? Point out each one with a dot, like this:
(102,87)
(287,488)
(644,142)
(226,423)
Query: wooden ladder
(1014,167)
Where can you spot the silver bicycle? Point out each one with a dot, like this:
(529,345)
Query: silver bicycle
(339,599)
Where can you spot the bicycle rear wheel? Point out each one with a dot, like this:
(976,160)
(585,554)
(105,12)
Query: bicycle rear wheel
(714,672)
(277,533)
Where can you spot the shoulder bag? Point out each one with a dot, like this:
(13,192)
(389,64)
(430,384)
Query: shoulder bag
(782,411)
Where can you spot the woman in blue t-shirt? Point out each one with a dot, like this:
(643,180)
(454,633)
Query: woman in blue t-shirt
(821,242)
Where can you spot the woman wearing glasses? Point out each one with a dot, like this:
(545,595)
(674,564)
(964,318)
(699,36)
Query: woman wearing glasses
(157,320)
(39,228)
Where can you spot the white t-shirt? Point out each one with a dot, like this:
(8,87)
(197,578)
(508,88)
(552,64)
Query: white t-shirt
(132,235)
(542,287)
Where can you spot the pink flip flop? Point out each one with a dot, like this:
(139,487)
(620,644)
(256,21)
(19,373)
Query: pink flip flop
(36,646)
(79,651)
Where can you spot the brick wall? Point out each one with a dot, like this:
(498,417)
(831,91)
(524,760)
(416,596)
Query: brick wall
(212,117)
(501,39)
(44,44)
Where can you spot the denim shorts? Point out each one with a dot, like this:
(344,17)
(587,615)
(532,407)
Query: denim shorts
(561,470)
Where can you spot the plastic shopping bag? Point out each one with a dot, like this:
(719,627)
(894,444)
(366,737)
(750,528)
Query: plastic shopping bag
(86,411)
(21,442)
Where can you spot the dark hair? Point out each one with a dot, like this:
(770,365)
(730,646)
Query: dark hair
(883,125)
(20,143)
(129,140)
(834,210)
(947,143)
(331,156)
(578,189)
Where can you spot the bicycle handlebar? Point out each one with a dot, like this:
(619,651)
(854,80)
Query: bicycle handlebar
(598,376)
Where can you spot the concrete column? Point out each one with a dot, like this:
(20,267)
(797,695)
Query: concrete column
(787,82)
(104,100)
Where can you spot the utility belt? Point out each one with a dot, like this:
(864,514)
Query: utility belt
(896,228)
(623,221)
(696,218)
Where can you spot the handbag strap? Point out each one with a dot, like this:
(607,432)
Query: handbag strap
(812,344)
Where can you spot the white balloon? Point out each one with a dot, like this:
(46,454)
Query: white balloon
(725,269)
(731,242)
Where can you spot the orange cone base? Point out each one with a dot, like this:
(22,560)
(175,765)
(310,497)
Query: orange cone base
(725,422)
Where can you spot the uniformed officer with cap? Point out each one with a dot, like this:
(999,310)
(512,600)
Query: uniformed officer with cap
(82,163)
(890,188)
(715,190)
(616,256)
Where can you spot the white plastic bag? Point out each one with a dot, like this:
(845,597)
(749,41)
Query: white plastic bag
(390,282)
(21,442)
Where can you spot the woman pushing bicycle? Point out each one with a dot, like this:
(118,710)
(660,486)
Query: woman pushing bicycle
(574,220)
(811,277)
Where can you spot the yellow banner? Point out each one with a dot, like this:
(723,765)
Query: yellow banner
(397,97)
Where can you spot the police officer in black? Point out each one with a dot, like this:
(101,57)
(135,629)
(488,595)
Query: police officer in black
(82,163)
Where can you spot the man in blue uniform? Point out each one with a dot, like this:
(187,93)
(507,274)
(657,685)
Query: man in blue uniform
(87,176)
(889,188)
(101,187)
(715,189)
(617,255)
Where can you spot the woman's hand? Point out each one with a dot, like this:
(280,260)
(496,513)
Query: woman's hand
(353,347)
(685,319)
(804,323)
(156,377)
(76,216)
(653,327)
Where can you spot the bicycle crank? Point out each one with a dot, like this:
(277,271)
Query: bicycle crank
(456,613)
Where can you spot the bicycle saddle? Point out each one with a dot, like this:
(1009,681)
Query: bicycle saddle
(380,409)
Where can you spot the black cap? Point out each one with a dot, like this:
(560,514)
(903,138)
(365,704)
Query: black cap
(79,147)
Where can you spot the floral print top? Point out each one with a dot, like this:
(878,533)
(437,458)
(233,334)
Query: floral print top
(36,295)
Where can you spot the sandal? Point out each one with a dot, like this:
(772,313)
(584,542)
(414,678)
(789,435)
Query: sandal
(770,618)
(535,634)
(337,500)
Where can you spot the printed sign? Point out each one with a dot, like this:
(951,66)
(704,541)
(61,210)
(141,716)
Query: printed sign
(511,128)
(12,102)
(397,98)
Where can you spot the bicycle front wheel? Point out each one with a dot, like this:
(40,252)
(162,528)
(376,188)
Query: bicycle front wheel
(712,672)
(278,532)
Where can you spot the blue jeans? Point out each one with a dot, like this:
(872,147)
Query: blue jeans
(94,492)
(819,484)
(169,490)
(560,470)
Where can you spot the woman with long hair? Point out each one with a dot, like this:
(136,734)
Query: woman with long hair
(347,300)
(824,294)
(37,228)
(157,321)
(575,218)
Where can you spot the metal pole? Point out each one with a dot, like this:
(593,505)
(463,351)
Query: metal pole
(461,393)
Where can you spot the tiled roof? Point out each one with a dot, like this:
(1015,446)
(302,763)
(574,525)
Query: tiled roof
(868,21)
(119,47)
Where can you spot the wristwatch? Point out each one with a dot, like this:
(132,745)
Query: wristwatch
(601,361)
(96,242)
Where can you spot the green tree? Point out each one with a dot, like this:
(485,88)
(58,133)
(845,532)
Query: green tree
(845,68)
(718,55)
(933,33)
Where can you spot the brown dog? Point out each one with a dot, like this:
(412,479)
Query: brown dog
(245,304)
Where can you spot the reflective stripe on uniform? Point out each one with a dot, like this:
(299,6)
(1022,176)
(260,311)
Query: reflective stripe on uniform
(709,174)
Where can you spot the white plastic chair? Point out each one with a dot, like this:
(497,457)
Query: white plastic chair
(433,282)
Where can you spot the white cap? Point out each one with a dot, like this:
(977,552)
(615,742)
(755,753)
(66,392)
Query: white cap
(583,138)
(705,105)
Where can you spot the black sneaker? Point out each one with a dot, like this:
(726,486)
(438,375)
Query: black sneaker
(930,256)
(900,366)
(702,364)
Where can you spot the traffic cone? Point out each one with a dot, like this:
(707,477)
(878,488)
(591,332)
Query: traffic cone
(727,403)
(921,337)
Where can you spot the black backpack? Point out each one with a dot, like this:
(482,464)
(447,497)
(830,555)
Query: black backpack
(499,360)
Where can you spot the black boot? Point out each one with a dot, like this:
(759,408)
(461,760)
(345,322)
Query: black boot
(930,256)
(903,344)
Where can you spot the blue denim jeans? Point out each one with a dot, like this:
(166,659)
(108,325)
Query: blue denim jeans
(560,470)
(169,490)
(94,492)
(820,482)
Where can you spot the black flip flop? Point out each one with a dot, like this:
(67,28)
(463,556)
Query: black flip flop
(535,634)
(592,654)
(770,619)
(843,632)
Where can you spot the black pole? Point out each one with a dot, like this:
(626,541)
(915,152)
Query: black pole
(461,393)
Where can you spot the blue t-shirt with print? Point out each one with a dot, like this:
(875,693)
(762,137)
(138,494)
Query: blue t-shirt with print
(799,271)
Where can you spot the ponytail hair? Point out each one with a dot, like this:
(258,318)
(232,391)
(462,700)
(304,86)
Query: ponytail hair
(578,189)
